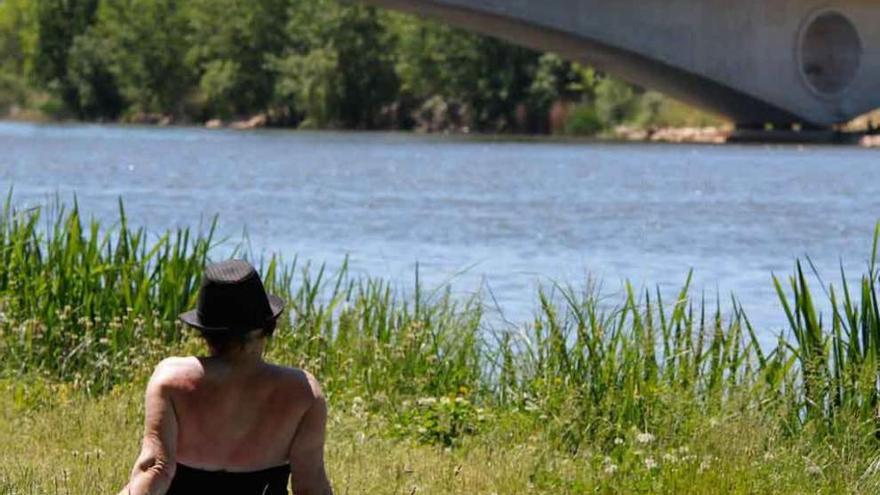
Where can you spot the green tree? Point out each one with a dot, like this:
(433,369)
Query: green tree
(18,34)
(89,73)
(309,84)
(616,102)
(434,63)
(501,82)
(489,76)
(558,80)
(369,82)
(144,43)
(59,22)
(346,50)
(230,43)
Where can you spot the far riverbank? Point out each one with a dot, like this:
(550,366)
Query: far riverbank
(718,134)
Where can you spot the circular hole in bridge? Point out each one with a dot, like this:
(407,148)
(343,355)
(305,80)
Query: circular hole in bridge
(830,53)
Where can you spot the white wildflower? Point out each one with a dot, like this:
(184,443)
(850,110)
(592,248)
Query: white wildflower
(812,468)
(645,438)
(706,464)
(611,469)
(650,463)
(618,441)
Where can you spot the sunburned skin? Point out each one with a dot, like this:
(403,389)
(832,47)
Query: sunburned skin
(233,413)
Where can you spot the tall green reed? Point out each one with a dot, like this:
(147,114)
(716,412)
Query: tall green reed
(97,306)
(77,299)
(599,367)
(839,364)
(361,337)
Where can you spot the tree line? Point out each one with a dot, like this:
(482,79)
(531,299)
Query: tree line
(302,63)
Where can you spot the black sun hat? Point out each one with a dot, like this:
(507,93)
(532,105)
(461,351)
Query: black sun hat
(232,299)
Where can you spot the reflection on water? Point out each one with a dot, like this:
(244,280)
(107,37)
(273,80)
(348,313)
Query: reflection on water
(512,214)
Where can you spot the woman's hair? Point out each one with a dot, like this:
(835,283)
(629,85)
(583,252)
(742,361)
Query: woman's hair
(225,343)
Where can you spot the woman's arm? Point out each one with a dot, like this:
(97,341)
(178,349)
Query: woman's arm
(155,466)
(307,448)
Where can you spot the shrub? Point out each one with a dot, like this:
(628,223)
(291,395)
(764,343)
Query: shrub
(584,121)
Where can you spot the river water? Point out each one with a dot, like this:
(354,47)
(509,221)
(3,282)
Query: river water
(477,212)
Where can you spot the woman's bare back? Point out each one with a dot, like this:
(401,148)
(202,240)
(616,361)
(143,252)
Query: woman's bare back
(236,417)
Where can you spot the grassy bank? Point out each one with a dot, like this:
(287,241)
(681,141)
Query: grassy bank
(637,395)
(83,445)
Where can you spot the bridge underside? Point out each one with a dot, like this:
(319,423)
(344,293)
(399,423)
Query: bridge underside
(750,72)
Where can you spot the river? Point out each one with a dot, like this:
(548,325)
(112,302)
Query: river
(477,212)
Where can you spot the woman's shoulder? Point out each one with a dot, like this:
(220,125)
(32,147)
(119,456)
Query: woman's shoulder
(298,381)
(177,365)
(176,372)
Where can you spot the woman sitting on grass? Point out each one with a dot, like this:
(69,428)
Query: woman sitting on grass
(231,423)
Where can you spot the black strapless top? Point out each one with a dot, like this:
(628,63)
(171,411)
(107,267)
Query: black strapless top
(189,481)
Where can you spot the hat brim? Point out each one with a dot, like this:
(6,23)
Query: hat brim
(192,319)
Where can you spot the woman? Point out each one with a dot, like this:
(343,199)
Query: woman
(231,423)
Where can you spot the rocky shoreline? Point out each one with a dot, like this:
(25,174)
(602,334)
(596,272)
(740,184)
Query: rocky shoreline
(679,135)
(871,141)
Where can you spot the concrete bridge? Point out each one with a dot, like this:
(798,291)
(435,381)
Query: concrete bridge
(809,62)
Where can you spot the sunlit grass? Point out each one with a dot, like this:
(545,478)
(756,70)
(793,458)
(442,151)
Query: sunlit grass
(72,443)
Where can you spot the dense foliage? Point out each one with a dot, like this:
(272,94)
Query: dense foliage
(318,63)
